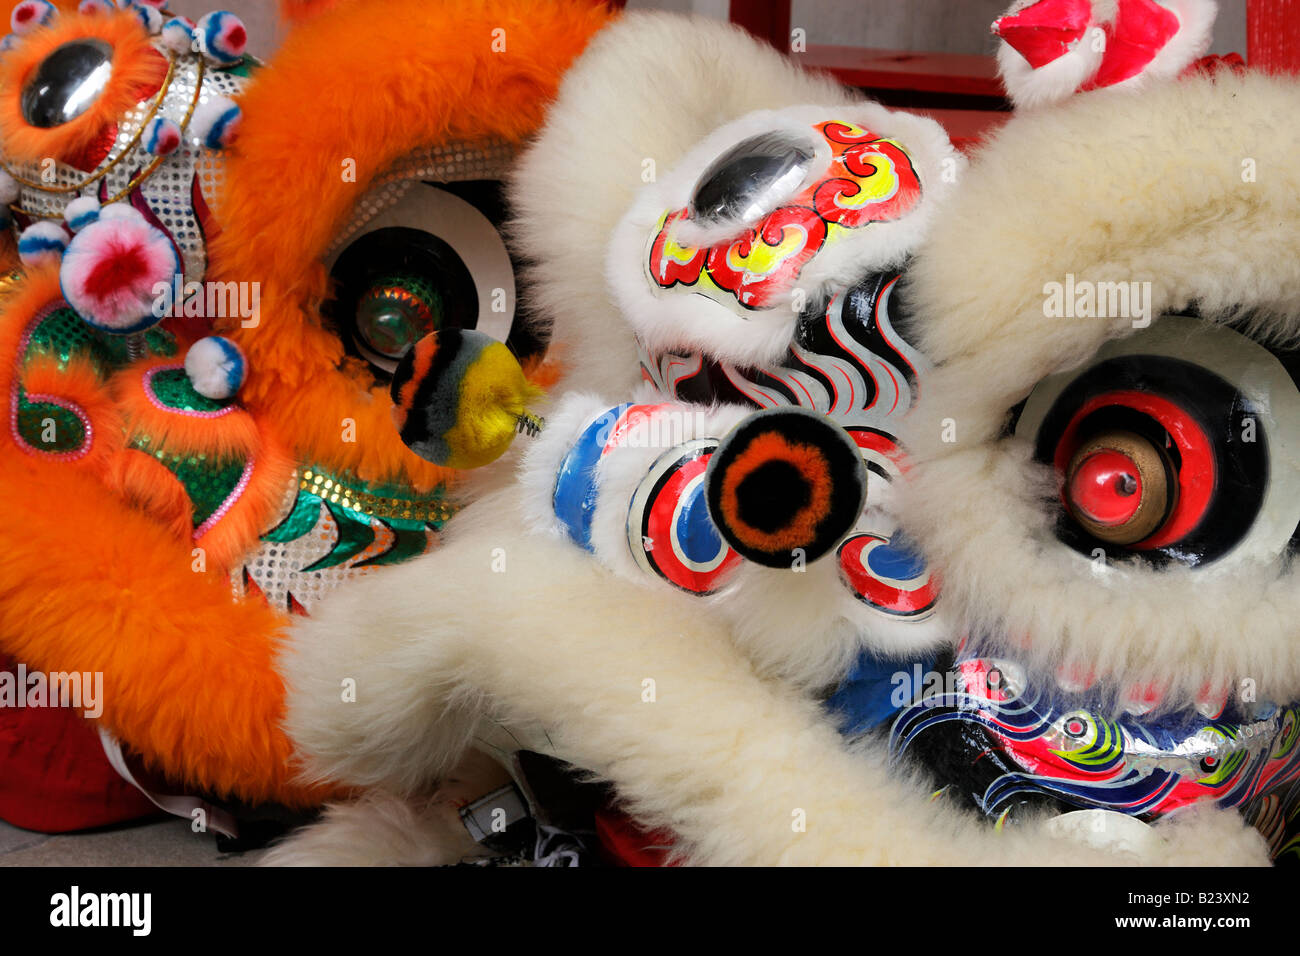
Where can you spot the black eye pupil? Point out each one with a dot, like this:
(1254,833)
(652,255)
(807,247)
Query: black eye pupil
(751,179)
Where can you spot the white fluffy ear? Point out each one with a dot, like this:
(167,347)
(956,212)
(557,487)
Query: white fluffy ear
(1052,49)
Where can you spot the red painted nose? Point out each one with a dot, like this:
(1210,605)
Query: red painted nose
(1106,488)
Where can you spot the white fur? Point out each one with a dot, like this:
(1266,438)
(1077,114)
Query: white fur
(726,754)
(571,188)
(720,756)
(1055,81)
(378,830)
(1122,188)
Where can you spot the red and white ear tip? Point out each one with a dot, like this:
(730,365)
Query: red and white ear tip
(1049,49)
(1154,41)
(1054,48)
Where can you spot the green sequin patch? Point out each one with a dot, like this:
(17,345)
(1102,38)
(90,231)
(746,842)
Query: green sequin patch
(356,507)
(49,428)
(65,336)
(171,387)
(208,482)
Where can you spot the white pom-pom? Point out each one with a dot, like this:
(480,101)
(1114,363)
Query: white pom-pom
(216,123)
(81,212)
(42,243)
(95,7)
(30,14)
(161,136)
(9,189)
(222,38)
(119,210)
(150,16)
(216,367)
(178,35)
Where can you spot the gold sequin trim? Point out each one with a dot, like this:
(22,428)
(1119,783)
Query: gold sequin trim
(379,506)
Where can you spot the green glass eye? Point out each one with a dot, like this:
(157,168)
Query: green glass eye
(396,312)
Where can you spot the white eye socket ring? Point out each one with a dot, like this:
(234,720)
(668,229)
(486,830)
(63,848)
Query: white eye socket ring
(1248,367)
(471,235)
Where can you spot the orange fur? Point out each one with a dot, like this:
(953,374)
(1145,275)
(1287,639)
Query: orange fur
(298,10)
(234,434)
(146,483)
(135,65)
(277,227)
(98,573)
(37,290)
(80,384)
(237,532)
(90,584)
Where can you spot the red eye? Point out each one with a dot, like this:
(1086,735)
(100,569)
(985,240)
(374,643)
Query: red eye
(1118,487)
(1142,486)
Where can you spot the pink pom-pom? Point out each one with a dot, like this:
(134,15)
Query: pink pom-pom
(95,8)
(81,212)
(30,14)
(118,274)
(178,35)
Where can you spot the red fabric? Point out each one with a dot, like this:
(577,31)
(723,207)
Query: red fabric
(1210,65)
(1140,30)
(626,844)
(1044,32)
(54,777)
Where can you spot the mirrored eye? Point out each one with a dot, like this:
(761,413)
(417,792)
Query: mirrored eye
(67,83)
(423,259)
(751,179)
(396,312)
(393,287)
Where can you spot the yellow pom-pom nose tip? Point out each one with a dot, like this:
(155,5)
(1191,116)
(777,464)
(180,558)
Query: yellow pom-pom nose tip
(460,397)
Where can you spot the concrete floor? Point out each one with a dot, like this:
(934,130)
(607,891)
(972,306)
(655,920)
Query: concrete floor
(168,842)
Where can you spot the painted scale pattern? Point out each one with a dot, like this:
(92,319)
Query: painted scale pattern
(331,531)
(1045,741)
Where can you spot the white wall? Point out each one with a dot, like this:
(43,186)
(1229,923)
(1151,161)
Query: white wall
(954,26)
(260,16)
(951,26)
